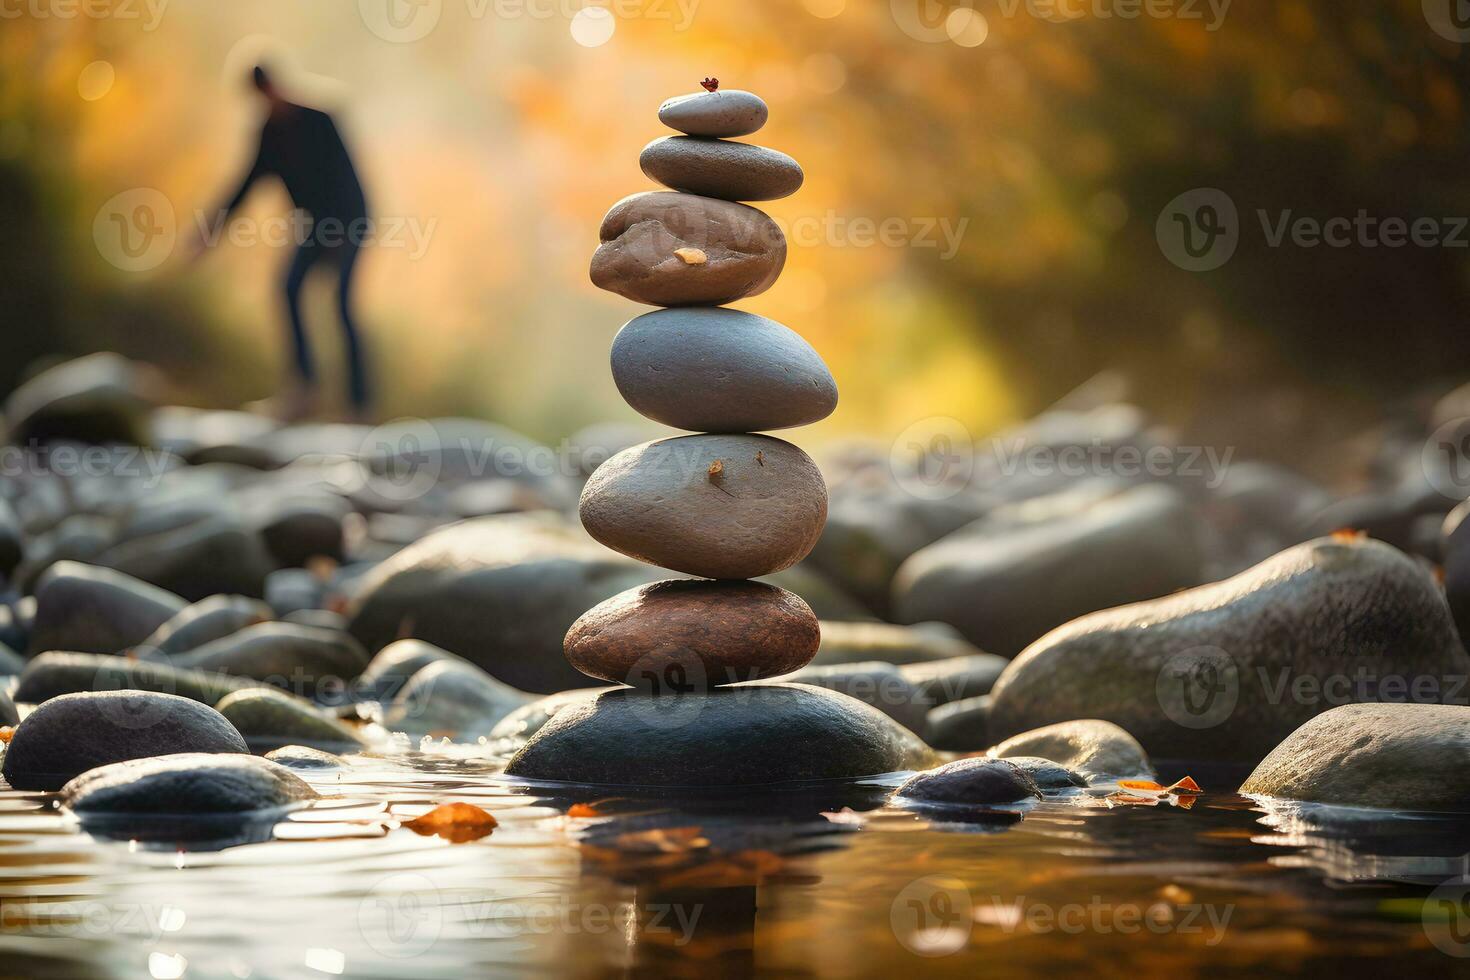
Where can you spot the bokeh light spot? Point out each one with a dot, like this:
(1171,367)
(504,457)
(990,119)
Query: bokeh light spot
(966,27)
(823,73)
(96,80)
(592,27)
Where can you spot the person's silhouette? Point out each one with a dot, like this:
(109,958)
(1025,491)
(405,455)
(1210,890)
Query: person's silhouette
(302,147)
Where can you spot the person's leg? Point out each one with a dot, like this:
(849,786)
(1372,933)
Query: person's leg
(296,402)
(357,380)
(307,254)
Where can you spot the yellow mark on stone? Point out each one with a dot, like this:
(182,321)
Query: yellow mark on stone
(691,256)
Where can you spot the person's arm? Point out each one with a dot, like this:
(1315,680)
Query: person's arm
(215,220)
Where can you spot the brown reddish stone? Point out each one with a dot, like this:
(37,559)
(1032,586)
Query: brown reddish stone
(690,635)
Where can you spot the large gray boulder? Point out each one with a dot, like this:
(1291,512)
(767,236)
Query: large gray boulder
(1004,586)
(1224,672)
(1390,756)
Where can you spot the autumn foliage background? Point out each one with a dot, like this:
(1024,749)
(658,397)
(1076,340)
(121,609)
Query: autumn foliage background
(1058,140)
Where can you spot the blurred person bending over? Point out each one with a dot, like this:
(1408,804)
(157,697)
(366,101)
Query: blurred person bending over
(301,146)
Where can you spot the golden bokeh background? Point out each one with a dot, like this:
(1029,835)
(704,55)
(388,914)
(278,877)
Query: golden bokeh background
(1046,135)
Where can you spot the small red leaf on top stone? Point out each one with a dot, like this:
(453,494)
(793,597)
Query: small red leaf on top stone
(711,84)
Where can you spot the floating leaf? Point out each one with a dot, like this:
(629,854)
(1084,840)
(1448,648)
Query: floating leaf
(1139,784)
(455,822)
(1186,785)
(7,732)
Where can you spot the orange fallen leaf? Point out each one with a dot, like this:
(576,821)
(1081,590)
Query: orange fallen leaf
(1139,784)
(455,822)
(1186,785)
(582,810)
(7,732)
(1348,534)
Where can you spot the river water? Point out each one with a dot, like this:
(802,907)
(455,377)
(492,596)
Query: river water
(823,881)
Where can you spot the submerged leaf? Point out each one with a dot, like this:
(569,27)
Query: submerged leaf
(455,822)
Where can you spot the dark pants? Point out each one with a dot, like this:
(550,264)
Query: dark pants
(340,259)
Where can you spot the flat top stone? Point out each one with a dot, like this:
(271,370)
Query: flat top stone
(726,112)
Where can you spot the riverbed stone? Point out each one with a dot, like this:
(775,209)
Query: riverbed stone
(682,635)
(452,698)
(1005,587)
(664,248)
(721,168)
(518,726)
(879,685)
(747,735)
(56,673)
(718,370)
(304,757)
(96,610)
(302,659)
(1389,756)
(195,555)
(724,112)
(1048,776)
(1224,672)
(189,782)
(68,735)
(1098,750)
(499,591)
(270,719)
(716,506)
(856,642)
(99,398)
(960,726)
(943,681)
(393,666)
(971,782)
(207,620)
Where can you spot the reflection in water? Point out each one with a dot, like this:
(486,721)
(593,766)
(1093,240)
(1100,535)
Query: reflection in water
(827,880)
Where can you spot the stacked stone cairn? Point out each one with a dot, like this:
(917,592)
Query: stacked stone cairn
(725,505)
